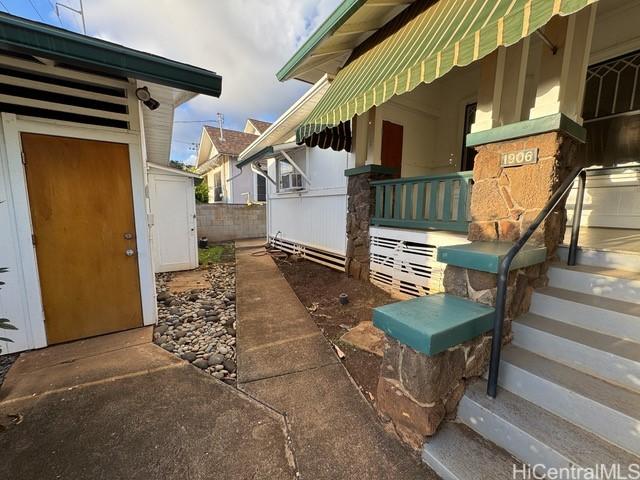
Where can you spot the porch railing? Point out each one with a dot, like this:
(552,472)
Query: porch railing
(436,202)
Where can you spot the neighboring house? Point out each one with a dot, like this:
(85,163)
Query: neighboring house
(306,187)
(468,123)
(83,148)
(217,154)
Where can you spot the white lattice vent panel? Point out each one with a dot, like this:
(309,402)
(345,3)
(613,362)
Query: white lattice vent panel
(323,257)
(404,263)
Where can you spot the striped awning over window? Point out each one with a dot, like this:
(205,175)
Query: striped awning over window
(422,44)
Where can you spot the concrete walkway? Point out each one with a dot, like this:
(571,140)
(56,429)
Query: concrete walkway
(118,406)
(285,362)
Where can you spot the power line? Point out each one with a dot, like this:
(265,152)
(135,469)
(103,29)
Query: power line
(36,10)
(57,15)
(194,121)
(4,6)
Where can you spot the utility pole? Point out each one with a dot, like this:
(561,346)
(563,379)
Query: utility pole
(79,12)
(220,123)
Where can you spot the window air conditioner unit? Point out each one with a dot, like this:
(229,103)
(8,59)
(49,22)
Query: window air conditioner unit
(291,181)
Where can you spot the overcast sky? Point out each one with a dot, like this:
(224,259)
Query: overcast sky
(246,41)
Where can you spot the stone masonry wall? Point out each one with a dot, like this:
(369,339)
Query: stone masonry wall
(417,392)
(223,221)
(360,209)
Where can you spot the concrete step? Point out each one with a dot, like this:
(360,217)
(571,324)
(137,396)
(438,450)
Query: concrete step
(613,283)
(593,312)
(603,258)
(606,410)
(610,358)
(533,434)
(458,453)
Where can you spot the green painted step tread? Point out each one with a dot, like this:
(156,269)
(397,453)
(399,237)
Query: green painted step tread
(434,323)
(487,256)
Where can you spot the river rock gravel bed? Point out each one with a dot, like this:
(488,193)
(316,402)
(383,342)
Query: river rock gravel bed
(199,326)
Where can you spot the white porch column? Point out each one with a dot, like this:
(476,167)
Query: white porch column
(562,75)
(501,92)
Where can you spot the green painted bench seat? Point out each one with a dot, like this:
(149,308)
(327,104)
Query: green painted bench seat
(434,323)
(487,256)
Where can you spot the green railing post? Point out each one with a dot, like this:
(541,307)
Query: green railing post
(389,197)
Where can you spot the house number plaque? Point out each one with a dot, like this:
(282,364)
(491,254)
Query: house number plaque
(521,157)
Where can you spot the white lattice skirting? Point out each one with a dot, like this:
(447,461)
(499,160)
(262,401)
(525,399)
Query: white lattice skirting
(403,262)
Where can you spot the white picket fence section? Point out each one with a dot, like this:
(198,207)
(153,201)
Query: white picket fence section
(404,262)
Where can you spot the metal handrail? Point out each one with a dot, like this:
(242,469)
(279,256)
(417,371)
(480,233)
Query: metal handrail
(503,272)
(505,265)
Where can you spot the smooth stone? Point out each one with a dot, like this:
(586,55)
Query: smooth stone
(201,363)
(229,365)
(215,359)
(188,356)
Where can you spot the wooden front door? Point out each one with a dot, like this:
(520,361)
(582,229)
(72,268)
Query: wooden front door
(391,149)
(82,215)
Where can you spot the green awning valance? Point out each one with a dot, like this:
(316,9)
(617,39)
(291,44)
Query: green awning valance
(422,44)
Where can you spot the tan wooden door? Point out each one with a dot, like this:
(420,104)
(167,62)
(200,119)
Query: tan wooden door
(82,214)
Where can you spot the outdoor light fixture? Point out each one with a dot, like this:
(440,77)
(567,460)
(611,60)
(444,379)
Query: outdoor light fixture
(145,97)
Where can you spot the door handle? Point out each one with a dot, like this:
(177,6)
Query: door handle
(129,252)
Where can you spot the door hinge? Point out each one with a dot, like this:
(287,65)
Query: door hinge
(33,239)
(24,159)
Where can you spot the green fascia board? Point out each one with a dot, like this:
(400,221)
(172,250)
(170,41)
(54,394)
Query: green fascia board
(557,122)
(487,256)
(256,156)
(434,323)
(34,38)
(370,169)
(338,17)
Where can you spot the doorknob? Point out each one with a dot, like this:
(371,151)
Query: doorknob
(129,252)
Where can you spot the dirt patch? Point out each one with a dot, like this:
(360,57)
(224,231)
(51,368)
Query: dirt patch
(319,288)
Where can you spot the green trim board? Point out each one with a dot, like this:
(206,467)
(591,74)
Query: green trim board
(33,38)
(423,43)
(557,122)
(434,323)
(349,172)
(338,17)
(256,156)
(487,256)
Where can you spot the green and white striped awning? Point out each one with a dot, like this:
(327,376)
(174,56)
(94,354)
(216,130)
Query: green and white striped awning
(422,44)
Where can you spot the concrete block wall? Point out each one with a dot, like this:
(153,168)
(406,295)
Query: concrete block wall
(221,221)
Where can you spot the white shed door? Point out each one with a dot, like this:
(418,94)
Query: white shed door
(174,222)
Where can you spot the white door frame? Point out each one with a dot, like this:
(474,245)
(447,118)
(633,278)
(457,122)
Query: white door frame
(12,127)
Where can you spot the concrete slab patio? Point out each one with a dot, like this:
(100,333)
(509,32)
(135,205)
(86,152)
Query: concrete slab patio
(120,407)
(286,362)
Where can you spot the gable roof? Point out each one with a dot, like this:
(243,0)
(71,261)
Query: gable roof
(38,39)
(260,125)
(233,141)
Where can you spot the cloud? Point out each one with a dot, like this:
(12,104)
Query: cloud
(245,41)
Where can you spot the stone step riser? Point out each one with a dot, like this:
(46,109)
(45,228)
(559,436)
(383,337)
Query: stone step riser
(579,356)
(599,258)
(513,439)
(595,284)
(601,320)
(595,417)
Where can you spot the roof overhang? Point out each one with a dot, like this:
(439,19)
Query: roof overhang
(268,152)
(350,24)
(171,171)
(33,38)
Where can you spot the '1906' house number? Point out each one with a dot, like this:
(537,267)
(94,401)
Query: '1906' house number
(521,157)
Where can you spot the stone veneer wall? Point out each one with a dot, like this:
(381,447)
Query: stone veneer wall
(417,392)
(360,209)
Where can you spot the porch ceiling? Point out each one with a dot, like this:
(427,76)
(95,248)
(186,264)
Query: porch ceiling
(423,43)
(37,39)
